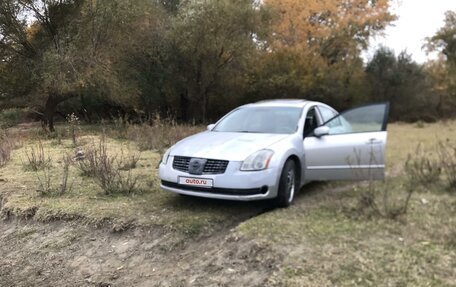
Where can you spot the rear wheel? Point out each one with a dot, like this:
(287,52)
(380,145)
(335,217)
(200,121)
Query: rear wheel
(287,185)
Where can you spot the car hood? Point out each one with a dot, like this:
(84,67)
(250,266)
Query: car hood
(224,145)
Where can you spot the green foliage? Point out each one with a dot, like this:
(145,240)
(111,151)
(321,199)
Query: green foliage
(73,48)
(212,41)
(443,71)
(403,83)
(194,60)
(444,39)
(12,117)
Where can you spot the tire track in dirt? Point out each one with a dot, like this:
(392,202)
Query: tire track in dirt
(73,253)
(69,253)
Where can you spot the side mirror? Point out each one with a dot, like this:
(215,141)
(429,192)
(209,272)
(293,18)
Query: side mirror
(321,131)
(210,127)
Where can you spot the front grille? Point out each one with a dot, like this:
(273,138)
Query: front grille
(181,163)
(212,166)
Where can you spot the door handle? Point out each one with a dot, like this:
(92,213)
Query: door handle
(374,141)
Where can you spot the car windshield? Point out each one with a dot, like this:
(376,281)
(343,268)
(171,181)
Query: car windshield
(273,120)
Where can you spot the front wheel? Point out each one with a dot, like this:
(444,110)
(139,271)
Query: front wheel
(287,184)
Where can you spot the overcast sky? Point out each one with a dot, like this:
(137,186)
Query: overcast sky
(417,19)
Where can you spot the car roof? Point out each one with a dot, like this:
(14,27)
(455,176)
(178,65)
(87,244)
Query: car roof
(280,103)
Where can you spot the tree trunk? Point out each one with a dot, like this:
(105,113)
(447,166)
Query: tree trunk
(440,105)
(49,112)
(205,104)
(198,96)
(184,102)
(50,108)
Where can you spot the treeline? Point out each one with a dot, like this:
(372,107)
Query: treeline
(196,59)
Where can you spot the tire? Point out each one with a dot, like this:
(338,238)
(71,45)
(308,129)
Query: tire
(288,184)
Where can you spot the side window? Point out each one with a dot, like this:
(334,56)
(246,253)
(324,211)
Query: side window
(326,113)
(370,118)
(311,122)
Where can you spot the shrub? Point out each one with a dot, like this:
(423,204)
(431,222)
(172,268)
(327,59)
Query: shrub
(128,162)
(126,183)
(87,164)
(6,148)
(11,117)
(433,167)
(108,171)
(423,167)
(377,199)
(156,134)
(45,178)
(447,156)
(36,158)
(73,123)
(66,163)
(160,134)
(5,153)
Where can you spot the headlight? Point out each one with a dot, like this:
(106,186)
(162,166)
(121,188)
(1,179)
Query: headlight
(257,161)
(166,156)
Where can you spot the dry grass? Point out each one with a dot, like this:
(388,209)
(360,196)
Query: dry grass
(36,158)
(157,134)
(328,245)
(111,171)
(324,243)
(5,151)
(403,140)
(87,201)
(447,156)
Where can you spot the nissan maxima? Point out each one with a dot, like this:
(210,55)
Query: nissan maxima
(270,149)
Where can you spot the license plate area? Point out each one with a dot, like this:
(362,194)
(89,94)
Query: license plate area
(192,181)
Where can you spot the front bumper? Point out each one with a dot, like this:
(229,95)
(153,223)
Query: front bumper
(231,185)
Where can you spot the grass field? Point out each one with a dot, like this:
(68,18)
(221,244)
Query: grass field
(321,240)
(86,201)
(326,243)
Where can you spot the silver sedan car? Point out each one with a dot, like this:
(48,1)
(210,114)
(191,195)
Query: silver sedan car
(270,149)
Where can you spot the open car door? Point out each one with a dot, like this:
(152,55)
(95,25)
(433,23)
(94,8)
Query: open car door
(350,146)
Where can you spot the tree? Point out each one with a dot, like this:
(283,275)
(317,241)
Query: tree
(210,42)
(403,83)
(193,58)
(444,40)
(326,39)
(71,48)
(444,68)
(328,24)
(437,73)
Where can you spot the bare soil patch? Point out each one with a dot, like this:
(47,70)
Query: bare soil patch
(70,254)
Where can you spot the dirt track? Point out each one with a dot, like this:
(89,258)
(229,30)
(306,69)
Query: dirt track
(70,254)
